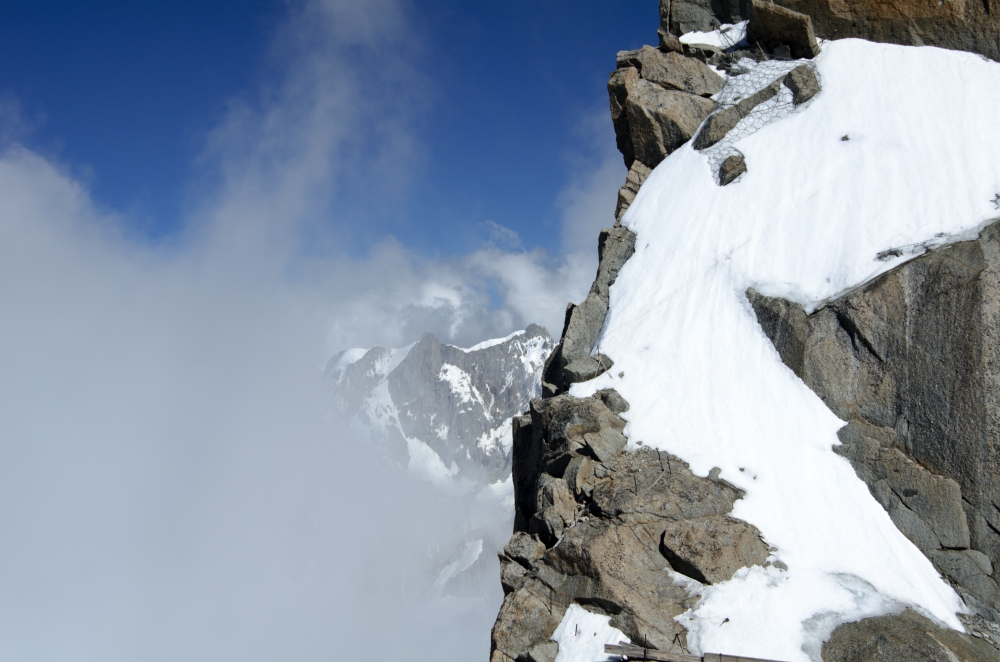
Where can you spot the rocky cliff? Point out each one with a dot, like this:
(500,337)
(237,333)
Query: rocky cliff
(445,411)
(909,360)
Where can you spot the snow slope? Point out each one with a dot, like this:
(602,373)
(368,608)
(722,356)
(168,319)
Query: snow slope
(900,148)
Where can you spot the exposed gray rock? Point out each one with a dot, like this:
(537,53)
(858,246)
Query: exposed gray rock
(635,178)
(681,16)
(731,168)
(637,512)
(905,637)
(524,548)
(619,84)
(964,26)
(669,43)
(772,25)
(912,361)
(711,549)
(725,119)
(672,71)
(555,509)
(544,652)
(584,322)
(587,367)
(803,83)
(662,120)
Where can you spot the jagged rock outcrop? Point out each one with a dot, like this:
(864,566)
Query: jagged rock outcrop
(658,100)
(603,528)
(774,28)
(965,25)
(571,360)
(912,361)
(905,637)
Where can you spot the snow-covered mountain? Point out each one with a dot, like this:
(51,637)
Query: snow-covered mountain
(441,410)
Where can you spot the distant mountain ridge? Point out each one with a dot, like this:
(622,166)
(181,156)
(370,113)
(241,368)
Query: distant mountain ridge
(442,410)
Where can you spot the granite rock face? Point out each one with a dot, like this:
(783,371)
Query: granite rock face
(772,26)
(608,529)
(912,361)
(905,637)
(637,174)
(964,25)
(572,355)
(658,100)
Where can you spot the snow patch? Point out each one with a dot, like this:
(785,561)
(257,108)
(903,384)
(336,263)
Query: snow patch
(581,636)
(726,36)
(492,343)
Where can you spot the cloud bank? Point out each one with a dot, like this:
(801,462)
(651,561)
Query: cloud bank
(171,483)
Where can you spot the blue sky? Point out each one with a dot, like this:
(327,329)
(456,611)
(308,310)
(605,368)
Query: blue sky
(502,105)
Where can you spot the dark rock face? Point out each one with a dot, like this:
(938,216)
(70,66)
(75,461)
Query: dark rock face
(731,168)
(637,174)
(905,637)
(455,401)
(680,16)
(570,361)
(912,361)
(772,26)
(672,71)
(803,83)
(964,25)
(658,99)
(599,527)
(662,120)
(725,119)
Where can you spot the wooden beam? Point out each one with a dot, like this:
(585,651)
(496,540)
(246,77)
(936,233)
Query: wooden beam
(639,653)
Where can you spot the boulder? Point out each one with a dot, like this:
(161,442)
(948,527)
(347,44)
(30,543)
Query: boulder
(771,26)
(669,43)
(904,637)
(586,368)
(803,83)
(637,174)
(731,168)
(672,71)
(662,120)
(724,120)
(681,16)
(524,548)
(711,549)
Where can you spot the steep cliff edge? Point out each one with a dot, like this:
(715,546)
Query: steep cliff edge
(678,486)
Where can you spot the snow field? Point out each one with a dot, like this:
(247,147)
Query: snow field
(805,223)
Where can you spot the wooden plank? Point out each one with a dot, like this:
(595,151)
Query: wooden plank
(639,653)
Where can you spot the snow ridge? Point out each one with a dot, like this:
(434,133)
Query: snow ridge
(891,153)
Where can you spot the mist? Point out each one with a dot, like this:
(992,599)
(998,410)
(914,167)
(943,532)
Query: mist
(173,484)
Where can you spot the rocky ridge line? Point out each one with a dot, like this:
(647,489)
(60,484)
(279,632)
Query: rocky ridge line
(622,532)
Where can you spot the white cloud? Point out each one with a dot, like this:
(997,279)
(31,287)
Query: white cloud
(169,488)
